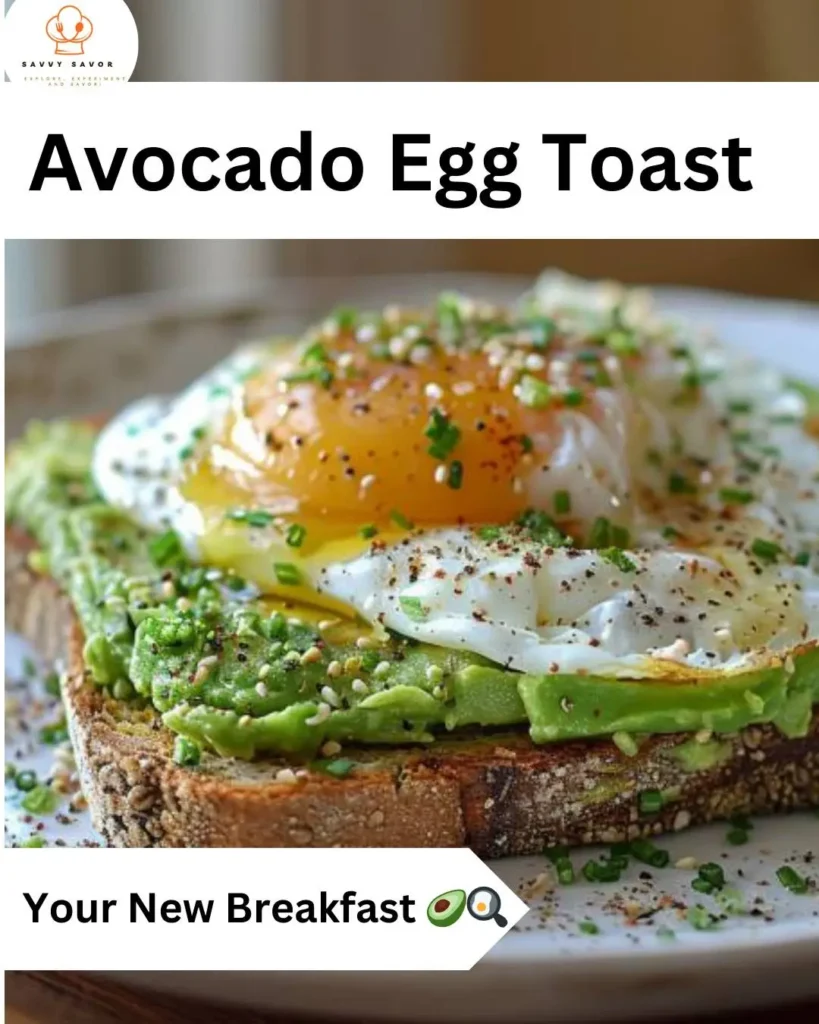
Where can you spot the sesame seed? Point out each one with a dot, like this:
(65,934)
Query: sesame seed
(359,686)
(381,669)
(517,485)
(434,391)
(534,361)
(463,387)
(367,481)
(285,775)
(440,474)
(420,354)
(365,333)
(507,375)
(320,716)
(334,669)
(311,655)
(330,748)
(292,658)
(345,360)
(183,604)
(364,643)
(261,689)
(687,864)
(330,696)
(203,668)
(398,347)
(264,671)
(245,721)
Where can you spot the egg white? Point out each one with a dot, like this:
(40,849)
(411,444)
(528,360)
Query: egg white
(710,608)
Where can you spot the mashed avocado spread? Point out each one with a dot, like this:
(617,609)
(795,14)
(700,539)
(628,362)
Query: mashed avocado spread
(228,672)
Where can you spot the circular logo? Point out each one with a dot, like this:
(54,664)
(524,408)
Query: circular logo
(79,45)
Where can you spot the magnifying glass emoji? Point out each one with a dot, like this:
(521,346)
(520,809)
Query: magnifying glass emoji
(484,905)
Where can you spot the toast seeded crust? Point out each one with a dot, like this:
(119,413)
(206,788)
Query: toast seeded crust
(498,794)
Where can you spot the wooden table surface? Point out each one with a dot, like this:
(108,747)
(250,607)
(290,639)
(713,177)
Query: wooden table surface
(55,997)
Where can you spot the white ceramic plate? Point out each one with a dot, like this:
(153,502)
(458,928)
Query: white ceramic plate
(647,958)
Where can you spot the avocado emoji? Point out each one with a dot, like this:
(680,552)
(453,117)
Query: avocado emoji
(445,909)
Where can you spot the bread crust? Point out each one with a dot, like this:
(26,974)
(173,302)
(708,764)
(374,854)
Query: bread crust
(498,793)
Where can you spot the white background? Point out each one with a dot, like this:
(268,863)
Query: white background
(75,874)
(768,117)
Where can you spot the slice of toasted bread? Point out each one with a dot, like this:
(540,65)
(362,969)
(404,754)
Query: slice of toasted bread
(497,793)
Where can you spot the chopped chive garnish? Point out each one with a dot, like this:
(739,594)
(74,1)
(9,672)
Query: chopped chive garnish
(534,393)
(33,842)
(618,558)
(287,574)
(803,558)
(413,608)
(25,781)
(678,484)
(739,407)
(712,874)
(400,520)
(40,800)
(600,536)
(792,880)
(186,452)
(489,532)
(542,330)
(737,836)
(556,853)
(315,353)
(644,850)
(703,886)
(345,318)
(565,871)
(186,753)
(698,917)
(651,801)
(165,549)
(253,517)
(542,528)
(670,532)
(526,443)
(572,397)
(339,767)
(295,535)
(456,475)
(735,496)
(315,374)
(588,928)
(563,503)
(767,550)
(368,532)
(443,434)
(623,343)
(602,871)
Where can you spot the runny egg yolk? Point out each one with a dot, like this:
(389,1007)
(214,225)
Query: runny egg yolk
(443,442)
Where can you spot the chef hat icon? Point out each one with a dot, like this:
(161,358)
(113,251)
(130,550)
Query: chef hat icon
(69,29)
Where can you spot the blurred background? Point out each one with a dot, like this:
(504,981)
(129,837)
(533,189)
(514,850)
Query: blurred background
(437,40)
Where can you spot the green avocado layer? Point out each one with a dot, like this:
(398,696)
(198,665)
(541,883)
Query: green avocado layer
(228,675)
